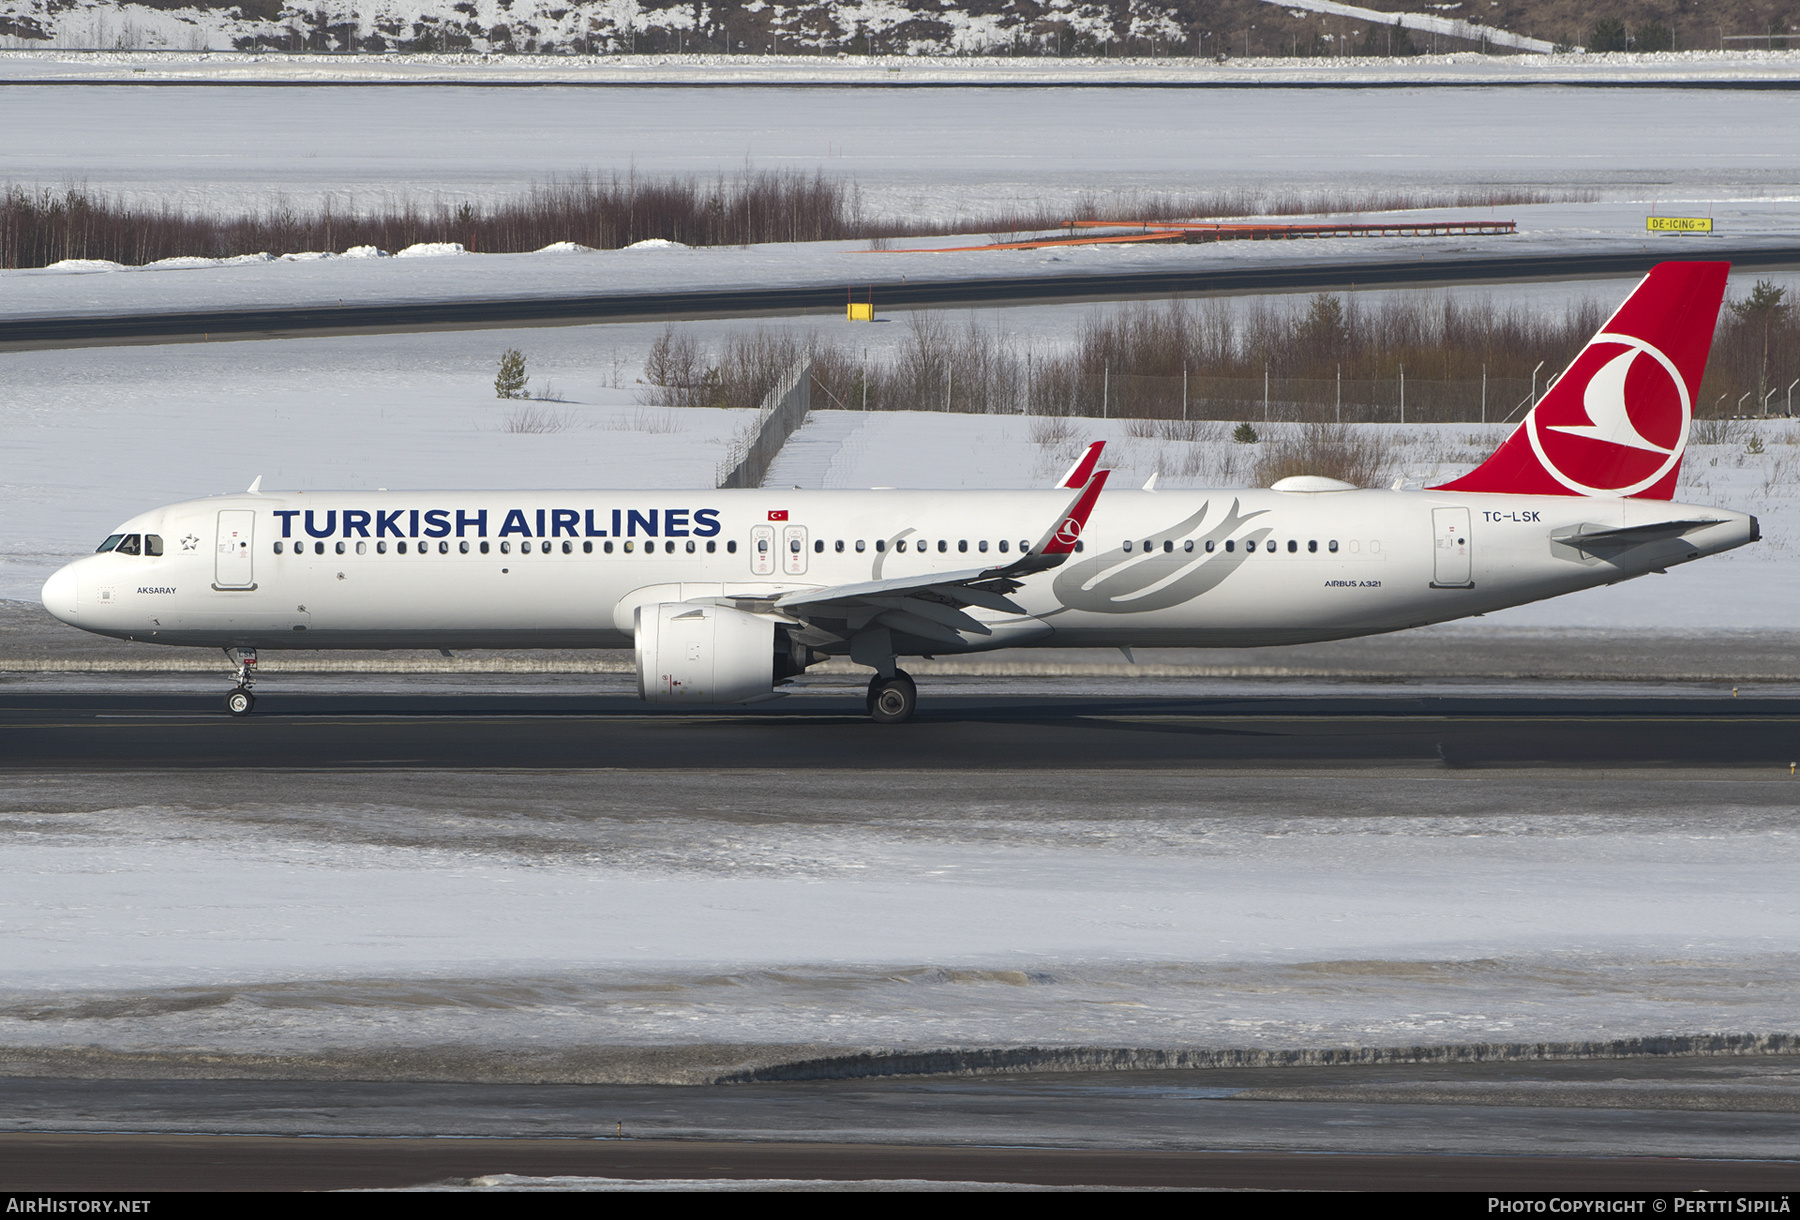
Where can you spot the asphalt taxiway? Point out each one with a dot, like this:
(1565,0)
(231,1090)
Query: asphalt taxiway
(59,729)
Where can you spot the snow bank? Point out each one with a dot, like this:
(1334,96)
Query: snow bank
(432,249)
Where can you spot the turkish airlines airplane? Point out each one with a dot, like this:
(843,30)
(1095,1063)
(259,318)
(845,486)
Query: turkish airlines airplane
(729,595)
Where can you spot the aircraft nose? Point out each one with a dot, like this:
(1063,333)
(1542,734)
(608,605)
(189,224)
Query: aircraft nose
(60,594)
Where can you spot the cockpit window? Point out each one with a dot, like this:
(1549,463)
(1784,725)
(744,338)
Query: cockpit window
(112,540)
(128,545)
(152,544)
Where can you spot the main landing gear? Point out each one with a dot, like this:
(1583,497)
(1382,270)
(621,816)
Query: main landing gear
(240,702)
(892,700)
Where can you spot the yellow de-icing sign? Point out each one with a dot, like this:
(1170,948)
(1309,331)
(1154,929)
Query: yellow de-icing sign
(1679,224)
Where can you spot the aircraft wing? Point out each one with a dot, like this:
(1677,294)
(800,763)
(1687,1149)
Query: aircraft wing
(934,605)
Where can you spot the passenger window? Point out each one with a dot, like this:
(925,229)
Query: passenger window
(587,548)
(525,548)
(982,546)
(1188,546)
(462,548)
(962,546)
(838,546)
(381,548)
(1025,545)
(568,547)
(690,548)
(898,546)
(730,547)
(278,548)
(340,548)
(1294,546)
(818,546)
(1250,545)
(944,546)
(1003,546)
(128,545)
(669,547)
(1128,546)
(859,546)
(1209,546)
(605,546)
(1168,545)
(112,540)
(881,544)
(318,548)
(1312,546)
(1079,546)
(629,546)
(152,544)
(711,546)
(505,548)
(762,546)
(1230,545)
(1332,546)
(362,548)
(793,546)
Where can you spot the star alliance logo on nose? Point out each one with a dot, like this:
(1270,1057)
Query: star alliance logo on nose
(190,542)
(1628,427)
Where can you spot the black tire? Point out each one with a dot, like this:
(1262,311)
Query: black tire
(893,700)
(240,702)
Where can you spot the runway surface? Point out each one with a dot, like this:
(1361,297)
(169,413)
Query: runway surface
(830,731)
(95,1163)
(17,333)
(1670,1124)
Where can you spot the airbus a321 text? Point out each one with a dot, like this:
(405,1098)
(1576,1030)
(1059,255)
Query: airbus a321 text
(729,595)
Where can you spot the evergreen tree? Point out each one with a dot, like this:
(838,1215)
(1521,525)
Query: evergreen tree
(1608,34)
(511,381)
(1653,36)
(1768,305)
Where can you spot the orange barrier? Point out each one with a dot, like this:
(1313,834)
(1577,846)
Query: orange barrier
(1206,230)
(1198,231)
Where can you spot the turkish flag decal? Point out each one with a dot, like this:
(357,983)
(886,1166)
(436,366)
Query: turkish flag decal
(778,514)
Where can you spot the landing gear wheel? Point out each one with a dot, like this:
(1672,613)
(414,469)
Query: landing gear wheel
(240,702)
(892,700)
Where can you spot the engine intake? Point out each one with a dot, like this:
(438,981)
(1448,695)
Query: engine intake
(704,654)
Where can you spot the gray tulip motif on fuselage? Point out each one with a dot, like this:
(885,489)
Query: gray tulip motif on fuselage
(1116,583)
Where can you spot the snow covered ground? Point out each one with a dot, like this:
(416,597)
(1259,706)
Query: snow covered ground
(397,915)
(76,289)
(923,153)
(1747,67)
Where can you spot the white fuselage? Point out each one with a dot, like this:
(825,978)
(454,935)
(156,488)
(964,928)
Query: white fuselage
(567,569)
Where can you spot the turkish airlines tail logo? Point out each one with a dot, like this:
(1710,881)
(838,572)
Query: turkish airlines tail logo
(1616,422)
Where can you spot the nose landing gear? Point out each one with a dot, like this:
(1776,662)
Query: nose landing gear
(892,700)
(240,702)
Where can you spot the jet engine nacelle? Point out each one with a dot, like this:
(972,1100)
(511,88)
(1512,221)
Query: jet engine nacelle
(703,654)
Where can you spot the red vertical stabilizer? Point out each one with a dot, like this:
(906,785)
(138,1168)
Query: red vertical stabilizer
(1616,422)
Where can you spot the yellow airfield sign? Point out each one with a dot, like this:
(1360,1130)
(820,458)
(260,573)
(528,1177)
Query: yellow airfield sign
(1679,224)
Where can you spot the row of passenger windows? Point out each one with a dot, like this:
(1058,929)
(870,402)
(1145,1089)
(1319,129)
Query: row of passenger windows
(1293,545)
(525,547)
(921,545)
(128,544)
(131,544)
